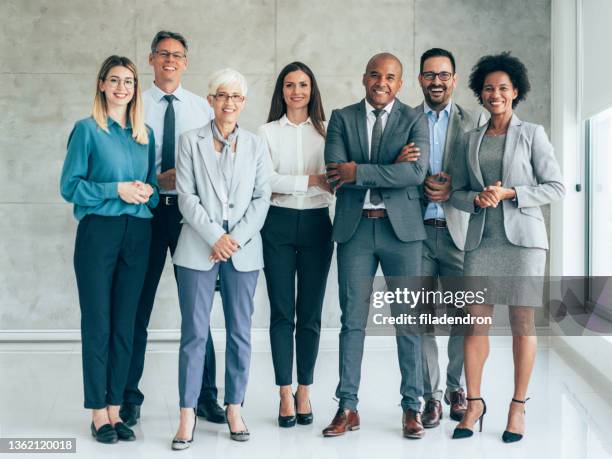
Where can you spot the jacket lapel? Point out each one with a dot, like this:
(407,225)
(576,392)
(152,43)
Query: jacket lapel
(207,151)
(474,152)
(239,158)
(389,127)
(362,131)
(454,125)
(512,138)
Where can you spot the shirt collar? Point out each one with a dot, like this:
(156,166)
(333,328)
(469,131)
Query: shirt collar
(284,121)
(369,108)
(158,94)
(427,109)
(111,122)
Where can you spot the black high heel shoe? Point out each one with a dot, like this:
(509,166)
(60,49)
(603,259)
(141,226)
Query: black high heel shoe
(286,421)
(242,435)
(461,432)
(180,444)
(304,419)
(511,437)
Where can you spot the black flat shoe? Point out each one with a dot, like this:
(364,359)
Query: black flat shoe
(211,411)
(124,432)
(129,414)
(242,435)
(105,434)
(461,432)
(512,437)
(178,444)
(286,421)
(303,419)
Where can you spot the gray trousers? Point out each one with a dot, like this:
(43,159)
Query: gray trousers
(196,291)
(374,243)
(441,258)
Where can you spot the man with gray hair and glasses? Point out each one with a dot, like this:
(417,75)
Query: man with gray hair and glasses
(170,110)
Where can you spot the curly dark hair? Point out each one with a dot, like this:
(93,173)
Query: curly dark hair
(503,62)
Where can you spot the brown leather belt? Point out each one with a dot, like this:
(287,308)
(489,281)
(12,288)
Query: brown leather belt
(374,213)
(435,222)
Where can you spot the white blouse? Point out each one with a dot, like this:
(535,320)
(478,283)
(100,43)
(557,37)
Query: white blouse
(296,152)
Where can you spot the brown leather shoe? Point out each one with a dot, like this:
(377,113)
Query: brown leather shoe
(458,404)
(432,413)
(343,420)
(412,425)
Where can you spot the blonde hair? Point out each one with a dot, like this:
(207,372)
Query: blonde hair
(135,108)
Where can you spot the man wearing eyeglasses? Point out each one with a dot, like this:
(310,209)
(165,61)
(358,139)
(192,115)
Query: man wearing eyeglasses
(170,110)
(446,226)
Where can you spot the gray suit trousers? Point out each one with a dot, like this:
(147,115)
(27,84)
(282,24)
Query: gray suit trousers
(441,258)
(196,291)
(374,242)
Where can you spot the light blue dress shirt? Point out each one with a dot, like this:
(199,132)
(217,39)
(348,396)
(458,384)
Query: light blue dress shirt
(191,111)
(438,126)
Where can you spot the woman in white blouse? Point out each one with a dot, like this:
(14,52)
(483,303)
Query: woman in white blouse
(296,235)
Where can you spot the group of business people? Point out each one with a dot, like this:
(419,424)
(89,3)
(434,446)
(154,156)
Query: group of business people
(433,190)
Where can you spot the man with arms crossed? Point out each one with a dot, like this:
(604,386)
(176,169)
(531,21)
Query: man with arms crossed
(170,110)
(377,221)
(446,226)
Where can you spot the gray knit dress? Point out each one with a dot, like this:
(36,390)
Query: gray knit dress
(496,255)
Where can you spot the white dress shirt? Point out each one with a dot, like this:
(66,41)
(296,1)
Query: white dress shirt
(371,119)
(190,112)
(296,152)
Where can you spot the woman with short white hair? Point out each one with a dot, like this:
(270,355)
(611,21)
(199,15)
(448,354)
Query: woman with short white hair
(222,174)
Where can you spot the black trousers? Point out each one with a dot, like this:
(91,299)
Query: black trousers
(166,228)
(110,262)
(296,242)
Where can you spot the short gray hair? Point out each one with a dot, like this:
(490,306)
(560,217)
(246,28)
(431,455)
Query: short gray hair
(163,34)
(225,77)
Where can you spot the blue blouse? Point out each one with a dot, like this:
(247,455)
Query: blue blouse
(97,161)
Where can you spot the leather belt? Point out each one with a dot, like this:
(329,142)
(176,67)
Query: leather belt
(435,222)
(374,213)
(168,199)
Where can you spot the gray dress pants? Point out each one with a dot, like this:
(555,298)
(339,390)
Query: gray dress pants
(441,258)
(196,291)
(374,243)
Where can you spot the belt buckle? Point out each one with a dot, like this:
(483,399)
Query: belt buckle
(169,199)
(439,223)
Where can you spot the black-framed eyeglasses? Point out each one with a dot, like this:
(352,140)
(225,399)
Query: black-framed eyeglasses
(166,54)
(443,76)
(128,83)
(236,98)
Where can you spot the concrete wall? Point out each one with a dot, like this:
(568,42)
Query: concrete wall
(52,50)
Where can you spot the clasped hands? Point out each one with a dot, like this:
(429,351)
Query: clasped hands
(135,192)
(339,174)
(223,249)
(493,194)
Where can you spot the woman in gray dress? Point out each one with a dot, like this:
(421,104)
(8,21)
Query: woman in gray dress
(506,171)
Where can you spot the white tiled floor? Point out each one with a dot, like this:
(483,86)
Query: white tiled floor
(568,416)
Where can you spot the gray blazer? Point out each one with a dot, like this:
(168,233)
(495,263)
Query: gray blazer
(460,123)
(347,140)
(529,166)
(198,185)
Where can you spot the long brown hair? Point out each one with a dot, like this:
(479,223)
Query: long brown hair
(278,107)
(135,108)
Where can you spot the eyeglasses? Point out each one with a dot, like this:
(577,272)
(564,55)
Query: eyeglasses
(236,98)
(430,76)
(128,83)
(166,54)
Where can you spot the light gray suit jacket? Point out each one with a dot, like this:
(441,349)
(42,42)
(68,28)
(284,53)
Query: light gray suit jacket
(460,123)
(198,184)
(529,166)
(347,140)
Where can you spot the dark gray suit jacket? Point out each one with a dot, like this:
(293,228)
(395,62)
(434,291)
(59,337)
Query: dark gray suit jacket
(460,123)
(347,140)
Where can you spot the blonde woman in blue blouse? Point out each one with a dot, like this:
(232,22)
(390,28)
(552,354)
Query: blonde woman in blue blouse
(109,175)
